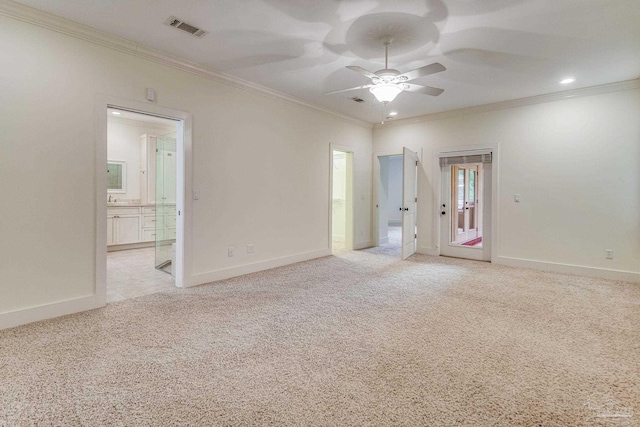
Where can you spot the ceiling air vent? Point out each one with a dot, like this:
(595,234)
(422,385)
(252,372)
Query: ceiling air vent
(356,99)
(187,28)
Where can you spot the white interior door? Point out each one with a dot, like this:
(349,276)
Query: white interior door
(409,201)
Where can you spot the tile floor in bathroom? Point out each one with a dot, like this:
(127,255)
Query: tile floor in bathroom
(131,273)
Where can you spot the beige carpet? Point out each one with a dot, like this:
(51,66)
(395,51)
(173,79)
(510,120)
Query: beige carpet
(361,339)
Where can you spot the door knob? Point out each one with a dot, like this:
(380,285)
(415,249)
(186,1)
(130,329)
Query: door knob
(406,209)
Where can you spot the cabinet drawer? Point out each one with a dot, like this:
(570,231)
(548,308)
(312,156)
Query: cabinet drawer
(150,234)
(122,211)
(152,221)
(148,210)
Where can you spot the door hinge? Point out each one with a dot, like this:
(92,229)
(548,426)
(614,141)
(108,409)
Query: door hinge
(416,199)
(416,163)
(415,236)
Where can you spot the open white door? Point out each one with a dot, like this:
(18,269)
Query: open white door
(409,201)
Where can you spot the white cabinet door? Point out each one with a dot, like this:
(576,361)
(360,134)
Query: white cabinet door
(128,229)
(110,240)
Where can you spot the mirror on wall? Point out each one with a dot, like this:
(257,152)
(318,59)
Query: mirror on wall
(116,176)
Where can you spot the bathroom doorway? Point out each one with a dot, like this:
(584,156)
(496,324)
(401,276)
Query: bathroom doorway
(341,218)
(141,203)
(145,150)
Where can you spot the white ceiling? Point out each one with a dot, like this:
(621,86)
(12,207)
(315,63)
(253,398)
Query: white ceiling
(494,50)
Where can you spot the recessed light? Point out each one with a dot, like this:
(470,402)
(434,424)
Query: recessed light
(567,81)
(393,113)
(116,113)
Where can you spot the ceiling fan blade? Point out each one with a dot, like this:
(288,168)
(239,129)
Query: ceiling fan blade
(428,90)
(361,71)
(347,90)
(436,67)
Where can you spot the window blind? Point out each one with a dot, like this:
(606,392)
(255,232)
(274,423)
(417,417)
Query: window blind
(460,160)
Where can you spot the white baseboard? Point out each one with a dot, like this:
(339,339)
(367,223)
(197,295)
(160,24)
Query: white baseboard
(227,273)
(363,245)
(424,250)
(603,273)
(48,311)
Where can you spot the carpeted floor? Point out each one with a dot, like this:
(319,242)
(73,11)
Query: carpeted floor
(359,339)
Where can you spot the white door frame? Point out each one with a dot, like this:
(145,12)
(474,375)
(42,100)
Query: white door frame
(183,183)
(489,227)
(349,217)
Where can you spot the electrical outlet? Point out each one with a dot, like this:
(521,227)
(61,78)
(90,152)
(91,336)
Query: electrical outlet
(608,253)
(516,198)
(230,251)
(196,194)
(250,248)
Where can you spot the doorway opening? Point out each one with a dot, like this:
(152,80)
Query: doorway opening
(390,202)
(397,191)
(466,206)
(142,190)
(341,201)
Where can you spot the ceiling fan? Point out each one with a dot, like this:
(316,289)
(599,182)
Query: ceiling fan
(387,83)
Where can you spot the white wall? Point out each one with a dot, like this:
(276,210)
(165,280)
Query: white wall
(261,163)
(576,164)
(123,143)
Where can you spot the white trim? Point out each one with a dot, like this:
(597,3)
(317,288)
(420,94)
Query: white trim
(48,311)
(580,270)
(363,245)
(424,250)
(227,273)
(83,32)
(515,103)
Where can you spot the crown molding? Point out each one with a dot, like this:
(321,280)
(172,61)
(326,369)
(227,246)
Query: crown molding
(515,103)
(60,25)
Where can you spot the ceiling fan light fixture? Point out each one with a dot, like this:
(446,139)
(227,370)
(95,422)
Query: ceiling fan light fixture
(386,92)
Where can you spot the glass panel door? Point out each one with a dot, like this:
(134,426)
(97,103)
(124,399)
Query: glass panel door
(165,202)
(464,219)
